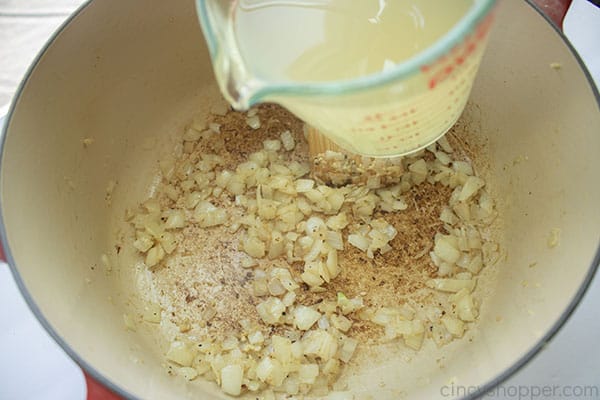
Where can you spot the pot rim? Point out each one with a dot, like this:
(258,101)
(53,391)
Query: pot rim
(87,367)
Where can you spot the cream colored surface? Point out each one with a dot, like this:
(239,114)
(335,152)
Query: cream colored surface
(123,78)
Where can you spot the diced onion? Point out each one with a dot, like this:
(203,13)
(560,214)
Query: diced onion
(445,249)
(154,255)
(231,379)
(285,221)
(175,220)
(288,140)
(451,285)
(188,373)
(272,145)
(305,317)
(319,343)
(254,247)
(359,241)
(454,325)
(308,373)
(180,353)
(191,135)
(271,310)
(470,188)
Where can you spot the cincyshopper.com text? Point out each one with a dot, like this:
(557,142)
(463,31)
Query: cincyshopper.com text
(525,392)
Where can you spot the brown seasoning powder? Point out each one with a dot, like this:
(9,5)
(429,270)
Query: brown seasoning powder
(204,274)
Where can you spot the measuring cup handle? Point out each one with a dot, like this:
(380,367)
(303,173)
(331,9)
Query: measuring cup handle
(554,10)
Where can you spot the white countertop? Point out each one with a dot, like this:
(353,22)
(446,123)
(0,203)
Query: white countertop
(34,366)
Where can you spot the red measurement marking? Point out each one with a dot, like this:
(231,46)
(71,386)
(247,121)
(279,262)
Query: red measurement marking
(459,54)
(471,47)
(414,122)
(484,27)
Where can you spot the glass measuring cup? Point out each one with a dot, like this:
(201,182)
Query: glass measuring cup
(396,111)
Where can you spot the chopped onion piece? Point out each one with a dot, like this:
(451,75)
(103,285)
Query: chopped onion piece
(334,239)
(288,140)
(270,310)
(144,242)
(418,171)
(270,370)
(347,349)
(272,145)
(337,222)
(253,122)
(307,373)
(254,247)
(175,220)
(191,135)
(445,249)
(256,337)
(282,349)
(454,325)
(359,241)
(340,322)
(314,226)
(180,353)
(451,285)
(347,305)
(231,379)
(151,313)
(154,255)
(319,343)
(304,185)
(464,304)
(188,373)
(470,188)
(305,317)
